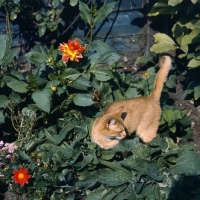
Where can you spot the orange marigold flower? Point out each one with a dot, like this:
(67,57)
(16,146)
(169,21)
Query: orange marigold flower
(21,176)
(71,50)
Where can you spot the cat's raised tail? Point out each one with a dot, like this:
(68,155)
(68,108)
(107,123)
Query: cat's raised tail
(165,65)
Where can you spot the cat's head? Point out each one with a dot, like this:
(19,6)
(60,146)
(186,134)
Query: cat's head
(108,129)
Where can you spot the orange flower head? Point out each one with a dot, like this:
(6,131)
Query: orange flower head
(21,176)
(71,50)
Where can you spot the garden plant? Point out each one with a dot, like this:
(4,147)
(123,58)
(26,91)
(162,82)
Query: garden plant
(46,115)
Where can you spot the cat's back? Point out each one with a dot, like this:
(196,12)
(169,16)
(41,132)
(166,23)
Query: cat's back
(128,104)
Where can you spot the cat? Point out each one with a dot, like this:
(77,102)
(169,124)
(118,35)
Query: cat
(140,115)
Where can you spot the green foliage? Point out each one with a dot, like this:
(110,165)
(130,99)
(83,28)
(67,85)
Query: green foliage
(185,32)
(49,113)
(6,55)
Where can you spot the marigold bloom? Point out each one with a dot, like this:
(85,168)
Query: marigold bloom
(71,50)
(21,176)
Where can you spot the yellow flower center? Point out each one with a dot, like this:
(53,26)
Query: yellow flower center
(20,175)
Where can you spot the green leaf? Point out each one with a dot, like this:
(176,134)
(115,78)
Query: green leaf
(114,178)
(131,93)
(85,12)
(71,74)
(114,191)
(2,46)
(190,87)
(194,1)
(80,83)
(73,2)
(174,2)
(143,59)
(194,63)
(42,98)
(14,97)
(3,101)
(15,84)
(36,57)
(86,160)
(171,81)
(42,30)
(163,43)
(104,11)
(101,47)
(2,118)
(172,129)
(63,132)
(97,194)
(187,163)
(83,100)
(49,136)
(197,92)
(39,48)
(55,3)
(9,57)
(118,95)
(102,74)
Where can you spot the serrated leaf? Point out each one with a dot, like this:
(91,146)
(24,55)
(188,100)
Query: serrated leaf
(101,47)
(163,43)
(2,118)
(118,95)
(35,57)
(40,48)
(71,74)
(187,163)
(2,46)
(14,84)
(9,57)
(162,47)
(104,11)
(80,83)
(131,93)
(83,100)
(102,74)
(14,97)
(42,98)
(113,192)
(114,178)
(97,194)
(3,101)
(143,59)
(85,12)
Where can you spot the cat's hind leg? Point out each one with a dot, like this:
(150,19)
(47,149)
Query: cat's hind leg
(147,131)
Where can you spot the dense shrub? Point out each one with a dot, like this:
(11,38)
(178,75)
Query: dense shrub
(48,114)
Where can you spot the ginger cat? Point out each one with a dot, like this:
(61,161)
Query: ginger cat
(140,114)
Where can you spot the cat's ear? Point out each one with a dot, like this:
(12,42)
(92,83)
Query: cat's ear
(110,122)
(119,110)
